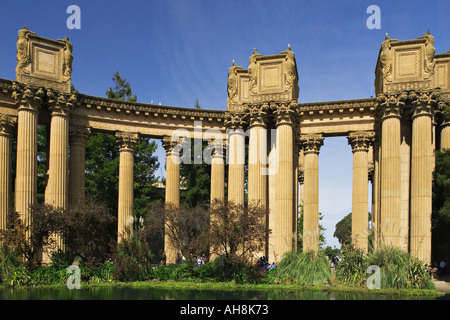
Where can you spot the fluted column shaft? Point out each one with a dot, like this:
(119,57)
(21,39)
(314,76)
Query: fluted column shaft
(217,175)
(77,164)
(376,196)
(311,146)
(236,173)
(28,101)
(445,135)
(390,192)
(57,191)
(6,125)
(172,191)
(421,178)
(360,142)
(257,157)
(283,221)
(126,142)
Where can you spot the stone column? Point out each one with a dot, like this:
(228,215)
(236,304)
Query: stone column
(284,227)
(172,190)
(311,146)
(376,193)
(421,175)
(445,126)
(390,107)
(28,101)
(6,128)
(445,135)
(78,137)
(360,142)
(236,158)
(257,155)
(126,141)
(60,106)
(217,173)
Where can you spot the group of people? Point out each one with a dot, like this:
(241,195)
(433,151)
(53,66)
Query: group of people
(263,263)
(436,270)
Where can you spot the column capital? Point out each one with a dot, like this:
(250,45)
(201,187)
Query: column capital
(79,135)
(258,114)
(6,125)
(59,103)
(311,142)
(27,97)
(126,141)
(284,113)
(218,148)
(235,120)
(169,144)
(361,140)
(391,105)
(424,102)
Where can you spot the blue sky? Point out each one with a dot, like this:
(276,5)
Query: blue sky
(177,51)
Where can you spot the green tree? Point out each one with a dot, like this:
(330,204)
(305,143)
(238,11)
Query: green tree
(121,89)
(102,162)
(343,231)
(441,206)
(195,178)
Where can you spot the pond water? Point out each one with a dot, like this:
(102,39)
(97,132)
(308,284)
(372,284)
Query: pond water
(127,293)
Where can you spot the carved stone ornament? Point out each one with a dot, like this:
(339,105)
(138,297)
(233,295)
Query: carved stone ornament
(126,141)
(68,59)
(430,50)
(386,58)
(235,120)
(424,102)
(258,114)
(6,125)
(79,135)
(23,51)
(232,83)
(60,103)
(27,97)
(311,142)
(285,113)
(391,104)
(253,72)
(291,74)
(361,140)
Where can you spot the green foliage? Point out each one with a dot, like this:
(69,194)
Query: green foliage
(343,231)
(398,269)
(195,177)
(102,162)
(11,268)
(132,258)
(305,269)
(121,89)
(441,206)
(352,267)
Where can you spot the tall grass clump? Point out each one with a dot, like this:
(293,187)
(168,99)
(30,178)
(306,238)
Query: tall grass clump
(352,268)
(400,270)
(306,269)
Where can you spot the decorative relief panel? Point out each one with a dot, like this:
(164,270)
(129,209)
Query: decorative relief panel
(44,62)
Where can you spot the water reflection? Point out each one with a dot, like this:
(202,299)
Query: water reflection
(126,293)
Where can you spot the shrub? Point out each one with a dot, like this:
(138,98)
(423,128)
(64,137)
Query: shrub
(352,268)
(305,268)
(400,270)
(132,258)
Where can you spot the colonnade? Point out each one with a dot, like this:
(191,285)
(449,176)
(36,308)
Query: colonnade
(273,167)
